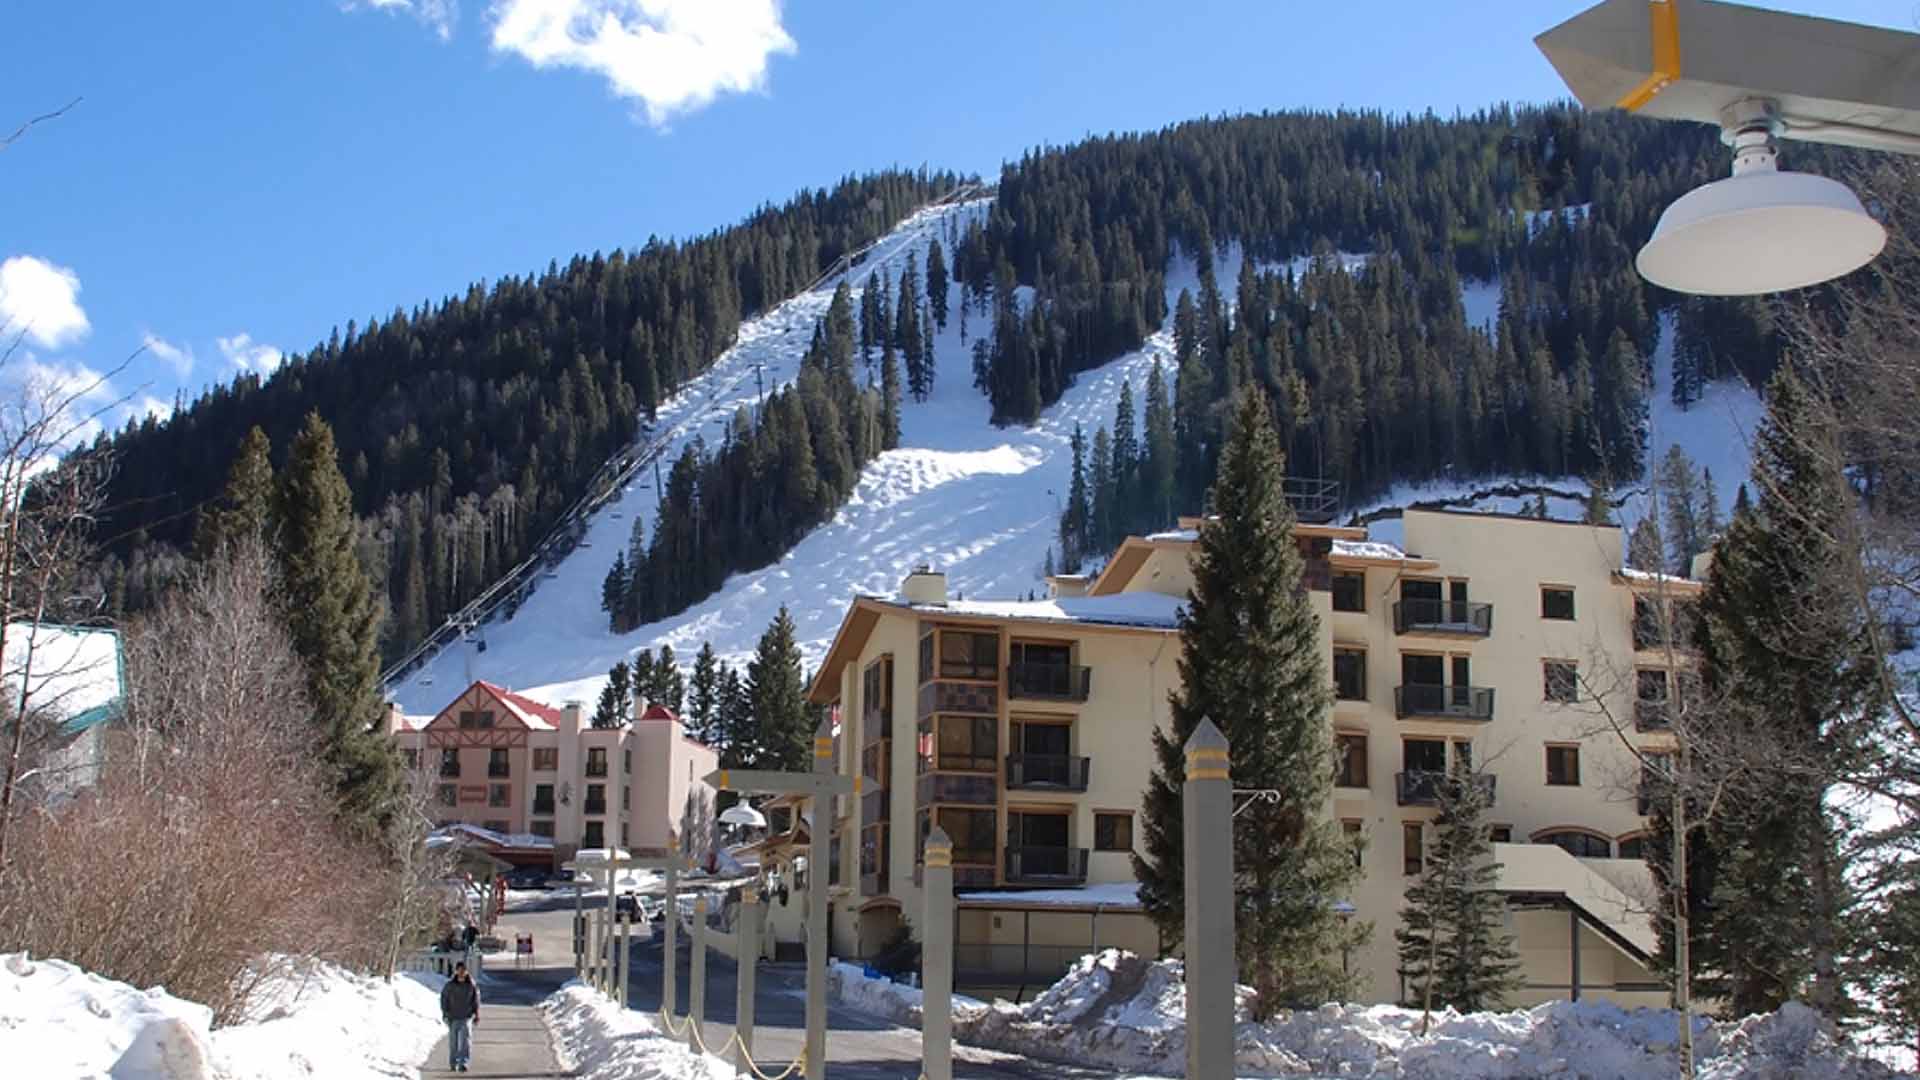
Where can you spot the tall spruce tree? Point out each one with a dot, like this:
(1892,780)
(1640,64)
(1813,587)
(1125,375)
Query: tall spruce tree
(776,694)
(334,622)
(245,509)
(937,283)
(1160,460)
(669,686)
(615,708)
(1645,551)
(889,397)
(1599,505)
(615,589)
(738,736)
(703,695)
(1250,662)
(1680,492)
(643,680)
(1455,950)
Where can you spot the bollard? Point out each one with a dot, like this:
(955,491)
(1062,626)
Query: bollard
(936,958)
(748,957)
(579,932)
(697,978)
(670,948)
(607,978)
(1206,805)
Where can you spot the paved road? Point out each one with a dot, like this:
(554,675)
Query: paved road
(859,1046)
(510,1042)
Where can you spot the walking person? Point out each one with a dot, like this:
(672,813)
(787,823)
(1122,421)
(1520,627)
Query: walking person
(460,1008)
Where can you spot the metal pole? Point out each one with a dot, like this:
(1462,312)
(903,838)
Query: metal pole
(936,958)
(1207,820)
(670,947)
(748,958)
(818,856)
(697,981)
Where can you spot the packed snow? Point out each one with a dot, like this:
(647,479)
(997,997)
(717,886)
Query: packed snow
(1106,895)
(58,1021)
(1120,609)
(1118,1011)
(596,1039)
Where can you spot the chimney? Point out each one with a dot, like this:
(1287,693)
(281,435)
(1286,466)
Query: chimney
(925,586)
(395,721)
(570,718)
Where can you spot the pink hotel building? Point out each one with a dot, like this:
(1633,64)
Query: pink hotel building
(505,762)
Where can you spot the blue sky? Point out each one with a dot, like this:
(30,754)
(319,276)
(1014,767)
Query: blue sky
(244,175)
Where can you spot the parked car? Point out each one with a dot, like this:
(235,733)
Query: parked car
(527,877)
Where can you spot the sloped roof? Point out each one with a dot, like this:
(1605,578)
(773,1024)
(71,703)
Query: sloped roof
(658,712)
(73,674)
(531,713)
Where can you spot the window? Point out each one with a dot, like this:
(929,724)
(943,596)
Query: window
(1350,592)
(1350,760)
(1562,680)
(971,832)
(596,800)
(1563,766)
(876,693)
(413,758)
(497,761)
(1500,834)
(1412,854)
(1556,602)
(1584,845)
(1633,847)
(965,655)
(873,764)
(546,758)
(1651,684)
(626,762)
(1350,829)
(626,797)
(448,795)
(543,798)
(540,828)
(597,761)
(499,795)
(1113,832)
(967,744)
(593,835)
(496,825)
(926,657)
(449,762)
(476,720)
(1350,674)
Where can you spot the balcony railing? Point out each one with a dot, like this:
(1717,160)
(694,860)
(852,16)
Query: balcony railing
(449,768)
(1442,617)
(1049,682)
(1651,715)
(596,768)
(543,807)
(1445,702)
(1059,771)
(1428,787)
(596,806)
(1046,864)
(498,769)
(975,789)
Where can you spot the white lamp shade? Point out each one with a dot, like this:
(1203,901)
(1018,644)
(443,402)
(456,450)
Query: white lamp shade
(1760,232)
(742,814)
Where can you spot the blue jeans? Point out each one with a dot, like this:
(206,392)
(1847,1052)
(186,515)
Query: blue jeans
(459,1042)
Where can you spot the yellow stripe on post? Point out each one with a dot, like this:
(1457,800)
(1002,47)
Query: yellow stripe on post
(1206,763)
(939,856)
(1666,55)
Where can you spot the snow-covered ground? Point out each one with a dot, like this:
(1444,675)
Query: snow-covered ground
(59,1022)
(598,1040)
(1118,1011)
(979,502)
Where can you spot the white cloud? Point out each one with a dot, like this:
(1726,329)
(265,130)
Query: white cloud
(437,15)
(179,358)
(671,56)
(41,300)
(249,355)
(87,395)
(147,405)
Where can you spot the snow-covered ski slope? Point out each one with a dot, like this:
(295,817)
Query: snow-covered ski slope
(979,502)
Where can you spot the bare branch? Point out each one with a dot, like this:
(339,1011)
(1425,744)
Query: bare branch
(42,118)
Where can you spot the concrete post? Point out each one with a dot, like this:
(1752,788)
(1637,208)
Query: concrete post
(697,980)
(593,948)
(749,964)
(936,959)
(670,946)
(626,956)
(579,931)
(607,979)
(819,856)
(1207,822)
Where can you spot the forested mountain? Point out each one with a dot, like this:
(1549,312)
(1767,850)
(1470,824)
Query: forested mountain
(465,428)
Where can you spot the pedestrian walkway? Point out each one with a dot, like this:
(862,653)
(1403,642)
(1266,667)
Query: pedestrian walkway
(510,1042)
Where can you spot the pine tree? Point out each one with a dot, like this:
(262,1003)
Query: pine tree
(937,283)
(1599,506)
(633,610)
(1455,950)
(739,737)
(1710,523)
(1158,467)
(669,686)
(907,334)
(1073,520)
(1123,472)
(1680,492)
(776,696)
(644,679)
(616,698)
(1645,551)
(703,695)
(869,321)
(1251,663)
(245,508)
(1100,528)
(333,620)
(1538,508)
(615,589)
(889,398)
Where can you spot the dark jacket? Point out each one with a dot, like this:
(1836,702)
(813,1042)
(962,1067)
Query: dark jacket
(460,1000)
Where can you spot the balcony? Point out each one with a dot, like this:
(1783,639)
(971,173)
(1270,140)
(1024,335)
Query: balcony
(942,696)
(1651,715)
(450,769)
(498,770)
(1442,617)
(596,806)
(596,768)
(543,807)
(970,789)
(1046,865)
(1443,702)
(1049,682)
(1427,787)
(1058,772)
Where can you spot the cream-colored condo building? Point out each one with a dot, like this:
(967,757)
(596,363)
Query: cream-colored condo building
(1023,727)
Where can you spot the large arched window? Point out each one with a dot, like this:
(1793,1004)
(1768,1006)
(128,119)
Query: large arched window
(1577,842)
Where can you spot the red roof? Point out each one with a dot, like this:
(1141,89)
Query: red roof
(658,712)
(525,704)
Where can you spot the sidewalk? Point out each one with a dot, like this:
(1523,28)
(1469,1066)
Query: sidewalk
(510,1042)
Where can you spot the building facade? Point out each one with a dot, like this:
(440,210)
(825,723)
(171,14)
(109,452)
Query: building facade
(507,763)
(1024,729)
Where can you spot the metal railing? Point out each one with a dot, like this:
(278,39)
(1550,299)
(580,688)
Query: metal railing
(440,961)
(1049,864)
(596,769)
(1442,617)
(596,806)
(1446,702)
(1651,714)
(1061,771)
(500,771)
(1049,682)
(1426,787)
(1315,501)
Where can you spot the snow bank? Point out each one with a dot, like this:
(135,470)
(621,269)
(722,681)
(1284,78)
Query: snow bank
(1116,1010)
(59,1021)
(598,1040)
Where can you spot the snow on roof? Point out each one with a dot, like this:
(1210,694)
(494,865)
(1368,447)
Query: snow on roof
(1368,549)
(1144,609)
(1187,535)
(1109,895)
(72,673)
(1652,577)
(532,713)
(488,836)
